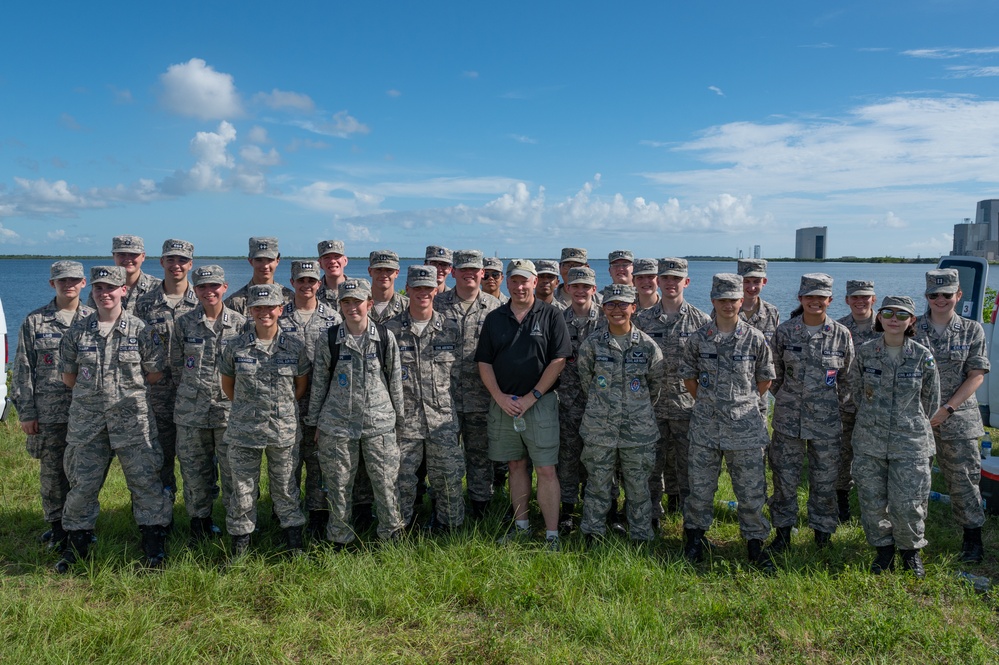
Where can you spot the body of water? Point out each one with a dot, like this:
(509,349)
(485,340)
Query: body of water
(24,285)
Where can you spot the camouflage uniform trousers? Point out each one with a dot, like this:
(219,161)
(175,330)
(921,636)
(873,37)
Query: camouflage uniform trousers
(669,475)
(479,474)
(198,448)
(787,457)
(571,473)
(845,480)
(340,458)
(86,468)
(161,400)
(49,447)
(636,464)
(747,469)
(893,495)
(960,463)
(445,469)
(244,464)
(315,489)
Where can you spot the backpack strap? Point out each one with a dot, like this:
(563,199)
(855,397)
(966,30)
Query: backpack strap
(332,333)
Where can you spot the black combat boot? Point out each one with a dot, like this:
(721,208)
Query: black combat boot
(566,524)
(972,550)
(619,519)
(318,519)
(76,548)
(884,562)
(843,503)
(293,540)
(202,528)
(478,509)
(364,517)
(55,537)
(240,545)
(912,561)
(822,539)
(672,503)
(693,547)
(154,544)
(760,557)
(781,541)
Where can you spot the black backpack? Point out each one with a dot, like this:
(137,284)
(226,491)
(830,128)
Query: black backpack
(382,349)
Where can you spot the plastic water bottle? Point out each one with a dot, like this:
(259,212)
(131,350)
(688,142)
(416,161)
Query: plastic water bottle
(731,506)
(519,424)
(986,446)
(937,496)
(982,584)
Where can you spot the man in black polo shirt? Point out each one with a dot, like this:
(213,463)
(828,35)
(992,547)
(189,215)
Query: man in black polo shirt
(521,352)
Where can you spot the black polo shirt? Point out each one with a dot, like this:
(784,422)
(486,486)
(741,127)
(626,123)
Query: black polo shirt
(519,351)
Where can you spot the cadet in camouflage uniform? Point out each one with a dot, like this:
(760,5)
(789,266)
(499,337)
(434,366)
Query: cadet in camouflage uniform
(333,260)
(104,358)
(383,267)
(812,358)
(159,309)
(646,277)
(309,320)
(265,257)
(897,388)
(958,344)
(755,310)
(264,373)
(428,350)
(492,278)
(201,412)
(442,259)
(572,257)
(860,322)
(582,317)
(357,408)
(41,398)
(129,252)
(620,374)
(621,265)
(547,282)
(726,365)
(468,306)
(669,323)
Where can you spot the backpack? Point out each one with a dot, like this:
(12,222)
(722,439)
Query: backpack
(382,349)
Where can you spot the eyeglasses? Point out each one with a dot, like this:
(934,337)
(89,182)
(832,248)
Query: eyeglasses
(899,314)
(617,304)
(945,296)
(489,274)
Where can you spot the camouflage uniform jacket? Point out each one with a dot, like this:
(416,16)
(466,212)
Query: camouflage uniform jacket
(362,400)
(237,301)
(195,355)
(766,319)
(160,317)
(309,327)
(470,395)
(727,368)
(329,296)
(110,386)
(264,410)
(621,386)
(860,333)
(813,378)
(428,361)
(670,332)
(397,305)
(570,395)
(960,349)
(37,389)
(562,296)
(145,284)
(895,400)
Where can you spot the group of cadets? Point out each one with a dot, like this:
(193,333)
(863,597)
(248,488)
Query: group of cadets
(361,398)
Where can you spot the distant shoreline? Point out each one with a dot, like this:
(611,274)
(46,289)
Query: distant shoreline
(842,259)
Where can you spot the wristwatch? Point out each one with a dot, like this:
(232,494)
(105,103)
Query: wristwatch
(949,408)
(536,393)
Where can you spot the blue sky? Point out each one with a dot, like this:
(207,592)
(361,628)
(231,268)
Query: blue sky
(516,128)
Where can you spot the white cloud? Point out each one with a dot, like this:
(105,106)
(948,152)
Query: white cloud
(949,52)
(57,235)
(655,144)
(973,72)
(360,233)
(9,235)
(393,93)
(715,89)
(196,90)
(257,134)
(254,155)
(341,125)
(520,138)
(938,244)
(212,156)
(280,100)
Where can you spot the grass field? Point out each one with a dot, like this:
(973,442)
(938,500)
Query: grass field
(464,599)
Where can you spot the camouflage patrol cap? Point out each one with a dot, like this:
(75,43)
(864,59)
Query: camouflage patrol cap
(128,245)
(264,247)
(175,247)
(521,267)
(300,269)
(264,295)
(752,267)
(330,247)
(582,275)
(621,254)
(468,258)
(815,284)
(210,274)
(945,280)
(66,270)
(726,286)
(438,253)
(646,267)
(546,267)
(673,266)
(619,293)
(492,263)
(383,258)
(359,289)
(898,302)
(113,275)
(859,287)
(421,276)
(573,255)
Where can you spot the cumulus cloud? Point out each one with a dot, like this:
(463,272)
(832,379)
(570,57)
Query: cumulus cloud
(9,235)
(282,100)
(257,134)
(56,235)
(255,155)
(212,158)
(341,125)
(196,90)
(360,233)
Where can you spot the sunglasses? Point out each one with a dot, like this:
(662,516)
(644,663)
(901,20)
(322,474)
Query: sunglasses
(901,315)
(945,296)
(489,274)
(617,304)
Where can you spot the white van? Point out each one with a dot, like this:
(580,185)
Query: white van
(4,400)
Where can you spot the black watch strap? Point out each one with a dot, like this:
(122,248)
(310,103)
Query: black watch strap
(537,394)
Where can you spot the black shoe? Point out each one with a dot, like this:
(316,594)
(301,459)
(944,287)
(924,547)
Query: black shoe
(364,516)
(759,557)
(202,528)
(478,509)
(618,520)
(566,524)
(693,547)
(55,537)
(318,519)
(656,524)
(153,544)
(884,562)
(972,550)
(822,539)
(673,503)
(293,540)
(240,545)
(843,503)
(76,548)
(781,541)
(912,561)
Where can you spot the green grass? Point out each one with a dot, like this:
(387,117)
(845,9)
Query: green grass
(464,599)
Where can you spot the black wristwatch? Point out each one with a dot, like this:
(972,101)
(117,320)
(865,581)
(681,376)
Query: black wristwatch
(949,408)
(537,394)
